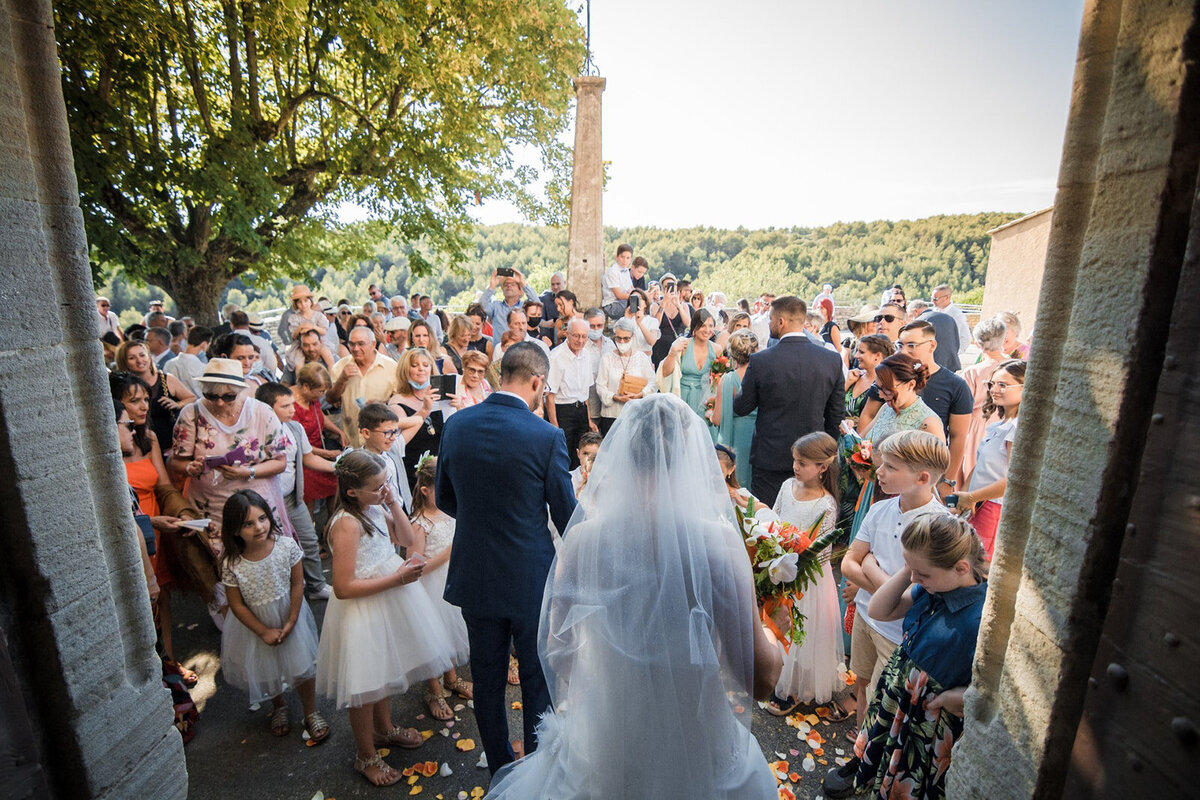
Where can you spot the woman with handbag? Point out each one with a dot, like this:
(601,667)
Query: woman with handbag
(176,567)
(625,374)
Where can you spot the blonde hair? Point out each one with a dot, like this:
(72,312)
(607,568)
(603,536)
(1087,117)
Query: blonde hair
(918,450)
(404,368)
(742,344)
(944,540)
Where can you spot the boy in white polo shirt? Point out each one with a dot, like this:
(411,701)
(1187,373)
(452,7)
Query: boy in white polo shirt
(909,465)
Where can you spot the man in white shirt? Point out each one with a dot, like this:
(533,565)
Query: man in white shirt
(189,365)
(617,283)
(108,320)
(398,306)
(942,294)
(569,385)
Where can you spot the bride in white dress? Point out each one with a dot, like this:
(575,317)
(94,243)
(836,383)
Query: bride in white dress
(650,638)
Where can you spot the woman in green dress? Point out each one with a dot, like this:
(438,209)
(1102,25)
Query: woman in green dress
(733,431)
(693,357)
(870,351)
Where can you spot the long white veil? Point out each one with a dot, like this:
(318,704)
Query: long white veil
(646,628)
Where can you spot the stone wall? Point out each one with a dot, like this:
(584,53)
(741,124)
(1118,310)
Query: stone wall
(1120,229)
(76,620)
(1016,262)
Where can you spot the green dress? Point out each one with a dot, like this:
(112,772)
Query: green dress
(736,432)
(694,384)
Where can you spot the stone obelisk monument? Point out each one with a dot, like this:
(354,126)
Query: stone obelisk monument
(585,245)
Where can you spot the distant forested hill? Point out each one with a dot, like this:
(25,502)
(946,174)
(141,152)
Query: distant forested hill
(858,258)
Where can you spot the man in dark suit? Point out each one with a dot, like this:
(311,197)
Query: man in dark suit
(499,467)
(797,387)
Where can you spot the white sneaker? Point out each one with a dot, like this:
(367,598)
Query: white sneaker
(320,594)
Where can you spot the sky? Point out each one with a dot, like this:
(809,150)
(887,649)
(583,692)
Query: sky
(803,113)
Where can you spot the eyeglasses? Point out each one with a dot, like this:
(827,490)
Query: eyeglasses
(391,433)
(475,370)
(888,317)
(912,345)
(1001,387)
(131,425)
(229,397)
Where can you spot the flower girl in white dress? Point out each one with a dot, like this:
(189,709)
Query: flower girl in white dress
(381,632)
(813,671)
(438,527)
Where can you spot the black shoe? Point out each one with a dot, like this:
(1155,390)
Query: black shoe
(840,782)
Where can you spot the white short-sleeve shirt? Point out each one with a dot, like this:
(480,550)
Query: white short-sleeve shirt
(881,529)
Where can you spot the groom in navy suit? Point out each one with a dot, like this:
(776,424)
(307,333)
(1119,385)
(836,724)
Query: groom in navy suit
(499,467)
(797,388)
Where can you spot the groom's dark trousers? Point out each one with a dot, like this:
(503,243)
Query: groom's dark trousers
(489,639)
(499,468)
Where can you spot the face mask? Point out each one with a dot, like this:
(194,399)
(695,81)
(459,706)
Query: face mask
(623,347)
(535,321)
(595,336)
(418,386)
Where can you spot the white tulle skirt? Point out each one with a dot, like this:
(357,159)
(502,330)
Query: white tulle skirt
(376,646)
(812,672)
(261,670)
(450,616)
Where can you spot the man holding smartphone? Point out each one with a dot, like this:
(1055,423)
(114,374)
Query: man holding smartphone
(512,285)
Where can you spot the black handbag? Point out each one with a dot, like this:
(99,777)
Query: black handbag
(147,529)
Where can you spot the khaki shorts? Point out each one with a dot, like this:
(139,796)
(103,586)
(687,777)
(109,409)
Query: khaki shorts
(870,651)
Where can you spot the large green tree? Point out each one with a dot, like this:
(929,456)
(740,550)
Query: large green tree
(214,138)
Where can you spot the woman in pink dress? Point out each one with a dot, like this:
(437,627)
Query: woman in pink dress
(990,335)
(227,441)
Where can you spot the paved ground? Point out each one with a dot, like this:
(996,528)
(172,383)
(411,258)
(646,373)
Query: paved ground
(234,754)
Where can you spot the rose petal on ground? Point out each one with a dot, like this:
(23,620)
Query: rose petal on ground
(809,764)
(319,795)
(822,712)
(384,752)
(445,771)
(794,752)
(416,790)
(426,735)
(465,745)
(413,779)
(812,719)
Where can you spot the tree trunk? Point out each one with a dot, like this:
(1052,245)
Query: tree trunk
(198,294)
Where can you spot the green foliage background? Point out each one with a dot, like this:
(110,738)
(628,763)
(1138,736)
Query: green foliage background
(859,258)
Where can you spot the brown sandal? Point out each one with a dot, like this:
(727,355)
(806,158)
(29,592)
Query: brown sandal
(408,738)
(463,688)
(386,775)
(280,724)
(438,708)
(318,729)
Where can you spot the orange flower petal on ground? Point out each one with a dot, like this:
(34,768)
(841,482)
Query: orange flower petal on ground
(786,793)
(794,776)
(465,745)
(823,712)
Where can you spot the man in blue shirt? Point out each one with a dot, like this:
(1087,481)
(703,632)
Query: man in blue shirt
(497,308)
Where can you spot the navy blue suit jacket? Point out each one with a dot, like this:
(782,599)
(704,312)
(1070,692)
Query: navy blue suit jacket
(798,388)
(499,467)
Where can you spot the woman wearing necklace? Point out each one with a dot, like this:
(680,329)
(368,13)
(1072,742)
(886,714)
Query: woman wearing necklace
(687,364)
(227,441)
(898,378)
(625,374)
(419,408)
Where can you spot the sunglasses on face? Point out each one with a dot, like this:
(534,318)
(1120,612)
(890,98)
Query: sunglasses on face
(888,317)
(228,397)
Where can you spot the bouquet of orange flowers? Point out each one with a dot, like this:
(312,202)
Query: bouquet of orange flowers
(720,365)
(785,561)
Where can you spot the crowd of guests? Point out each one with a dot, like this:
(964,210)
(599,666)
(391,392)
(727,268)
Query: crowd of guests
(252,458)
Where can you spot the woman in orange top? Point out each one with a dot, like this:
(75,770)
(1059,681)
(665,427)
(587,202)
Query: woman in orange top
(159,499)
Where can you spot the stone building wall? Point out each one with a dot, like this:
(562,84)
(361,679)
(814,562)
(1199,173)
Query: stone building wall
(1120,229)
(1016,262)
(78,639)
